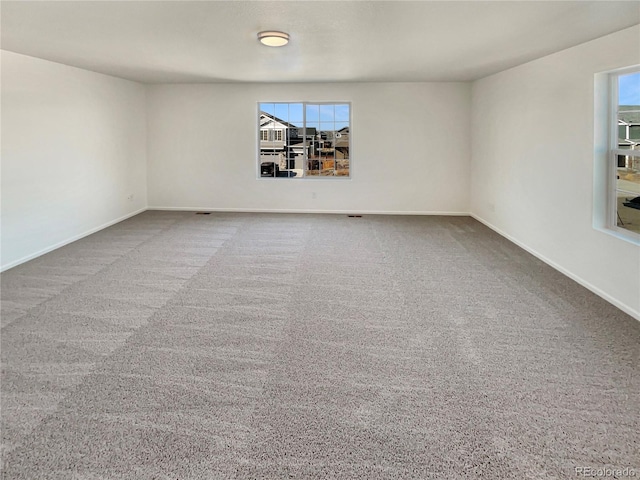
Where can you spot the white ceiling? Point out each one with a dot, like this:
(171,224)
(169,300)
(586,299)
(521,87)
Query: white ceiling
(215,41)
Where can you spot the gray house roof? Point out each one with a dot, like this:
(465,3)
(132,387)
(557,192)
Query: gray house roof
(276,119)
(629,114)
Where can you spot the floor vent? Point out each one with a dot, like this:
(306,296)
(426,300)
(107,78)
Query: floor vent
(355,216)
(203,213)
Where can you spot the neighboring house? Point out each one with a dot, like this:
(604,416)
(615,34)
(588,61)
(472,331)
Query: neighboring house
(629,122)
(276,138)
(342,143)
(275,133)
(629,130)
(283,143)
(628,134)
(334,144)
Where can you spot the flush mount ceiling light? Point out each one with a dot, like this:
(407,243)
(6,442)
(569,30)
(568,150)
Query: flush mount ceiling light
(273,39)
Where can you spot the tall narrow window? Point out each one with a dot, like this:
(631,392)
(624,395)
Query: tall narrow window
(303,139)
(625,151)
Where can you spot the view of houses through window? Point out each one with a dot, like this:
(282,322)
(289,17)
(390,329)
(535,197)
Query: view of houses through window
(627,151)
(302,139)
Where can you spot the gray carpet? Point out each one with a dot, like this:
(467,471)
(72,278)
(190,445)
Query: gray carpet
(239,346)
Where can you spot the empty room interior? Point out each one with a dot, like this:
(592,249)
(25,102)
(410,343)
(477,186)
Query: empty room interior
(320,239)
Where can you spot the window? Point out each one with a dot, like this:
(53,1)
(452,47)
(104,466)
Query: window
(303,139)
(624,151)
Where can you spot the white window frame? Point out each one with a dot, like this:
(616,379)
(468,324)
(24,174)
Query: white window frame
(613,152)
(305,149)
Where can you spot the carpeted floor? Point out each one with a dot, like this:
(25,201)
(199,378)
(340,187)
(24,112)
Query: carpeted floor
(240,346)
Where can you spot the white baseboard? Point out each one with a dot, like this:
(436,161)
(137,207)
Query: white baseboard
(68,241)
(615,302)
(339,212)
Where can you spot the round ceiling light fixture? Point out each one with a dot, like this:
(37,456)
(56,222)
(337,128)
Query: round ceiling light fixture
(273,38)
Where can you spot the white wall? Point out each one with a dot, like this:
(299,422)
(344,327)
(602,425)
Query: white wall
(532,171)
(73,148)
(410,148)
